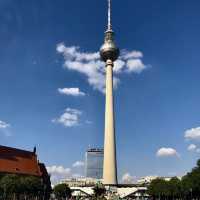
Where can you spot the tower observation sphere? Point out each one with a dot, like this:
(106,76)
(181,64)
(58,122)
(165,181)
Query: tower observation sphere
(109,50)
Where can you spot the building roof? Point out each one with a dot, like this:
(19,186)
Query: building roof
(95,150)
(86,190)
(122,192)
(18,161)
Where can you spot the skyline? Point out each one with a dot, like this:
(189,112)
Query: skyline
(52,83)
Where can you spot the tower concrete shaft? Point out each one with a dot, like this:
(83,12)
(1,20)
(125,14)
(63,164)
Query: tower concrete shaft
(110,164)
(109,53)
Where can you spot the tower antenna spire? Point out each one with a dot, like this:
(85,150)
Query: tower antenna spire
(109,15)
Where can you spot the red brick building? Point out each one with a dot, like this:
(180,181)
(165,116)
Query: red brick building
(17,161)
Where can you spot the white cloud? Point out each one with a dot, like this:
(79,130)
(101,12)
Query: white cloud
(166,152)
(131,54)
(58,173)
(118,66)
(74,53)
(127,178)
(71,91)
(4,129)
(193,134)
(69,118)
(135,65)
(59,170)
(93,68)
(192,147)
(78,164)
(4,125)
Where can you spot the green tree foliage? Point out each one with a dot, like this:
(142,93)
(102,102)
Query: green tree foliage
(186,188)
(32,186)
(17,187)
(174,186)
(158,188)
(191,182)
(10,186)
(62,191)
(99,191)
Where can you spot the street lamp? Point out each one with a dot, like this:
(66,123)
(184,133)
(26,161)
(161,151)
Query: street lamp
(191,192)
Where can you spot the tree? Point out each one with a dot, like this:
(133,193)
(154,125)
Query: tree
(21,187)
(99,191)
(157,188)
(191,182)
(1,188)
(198,164)
(174,187)
(186,188)
(10,186)
(31,186)
(62,191)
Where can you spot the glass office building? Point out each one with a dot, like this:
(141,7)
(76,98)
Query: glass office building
(94,163)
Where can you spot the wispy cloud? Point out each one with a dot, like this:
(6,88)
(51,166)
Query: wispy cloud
(58,173)
(78,164)
(69,118)
(127,178)
(193,134)
(167,152)
(135,65)
(71,91)
(4,128)
(193,148)
(4,125)
(93,68)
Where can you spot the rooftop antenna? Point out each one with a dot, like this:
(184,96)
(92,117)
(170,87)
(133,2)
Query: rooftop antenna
(109,15)
(34,149)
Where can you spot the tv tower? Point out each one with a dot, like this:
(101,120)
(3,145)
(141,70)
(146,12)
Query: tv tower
(109,53)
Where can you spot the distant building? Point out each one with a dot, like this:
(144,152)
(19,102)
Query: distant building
(119,192)
(81,182)
(94,163)
(148,179)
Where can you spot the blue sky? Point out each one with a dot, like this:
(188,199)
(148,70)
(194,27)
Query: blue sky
(51,82)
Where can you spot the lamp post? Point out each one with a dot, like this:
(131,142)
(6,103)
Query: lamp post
(191,193)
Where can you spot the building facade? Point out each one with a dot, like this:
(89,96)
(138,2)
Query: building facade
(23,163)
(148,179)
(81,182)
(94,163)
